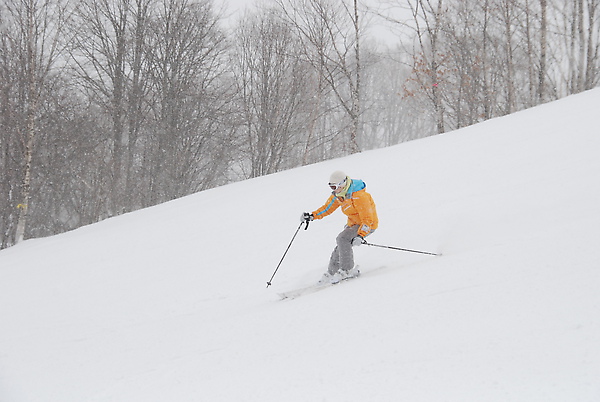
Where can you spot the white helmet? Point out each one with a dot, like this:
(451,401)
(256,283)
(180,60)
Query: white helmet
(337,179)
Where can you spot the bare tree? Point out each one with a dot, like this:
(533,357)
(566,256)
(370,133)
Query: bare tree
(34,32)
(190,95)
(507,16)
(391,117)
(101,53)
(272,83)
(575,29)
(10,165)
(331,32)
(542,72)
(137,101)
(592,39)
(428,57)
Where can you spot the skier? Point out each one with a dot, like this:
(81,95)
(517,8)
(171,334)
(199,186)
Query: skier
(358,205)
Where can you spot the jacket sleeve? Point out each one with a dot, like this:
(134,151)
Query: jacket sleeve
(365,207)
(330,205)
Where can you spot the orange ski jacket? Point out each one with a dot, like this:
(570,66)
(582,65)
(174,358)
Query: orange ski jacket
(357,204)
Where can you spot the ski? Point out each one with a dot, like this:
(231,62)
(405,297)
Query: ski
(294,294)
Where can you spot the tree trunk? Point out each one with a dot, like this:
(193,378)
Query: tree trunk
(26,185)
(591,54)
(543,46)
(356,109)
(30,69)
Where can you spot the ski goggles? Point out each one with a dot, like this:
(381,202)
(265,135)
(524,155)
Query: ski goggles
(337,186)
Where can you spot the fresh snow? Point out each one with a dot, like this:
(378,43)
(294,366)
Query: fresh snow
(170,303)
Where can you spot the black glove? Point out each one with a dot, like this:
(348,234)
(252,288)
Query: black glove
(358,240)
(306,217)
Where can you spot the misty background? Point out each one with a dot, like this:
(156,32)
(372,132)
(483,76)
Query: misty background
(111,106)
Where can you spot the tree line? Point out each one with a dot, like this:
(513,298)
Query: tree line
(108,106)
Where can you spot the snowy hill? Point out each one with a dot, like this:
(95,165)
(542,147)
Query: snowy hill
(170,304)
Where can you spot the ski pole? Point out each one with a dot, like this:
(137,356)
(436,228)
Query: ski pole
(400,249)
(286,250)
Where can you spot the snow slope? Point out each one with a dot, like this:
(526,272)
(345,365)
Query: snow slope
(170,303)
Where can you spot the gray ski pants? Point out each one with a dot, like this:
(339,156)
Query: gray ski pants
(342,256)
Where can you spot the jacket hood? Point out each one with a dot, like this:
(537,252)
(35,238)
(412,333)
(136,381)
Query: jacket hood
(356,185)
